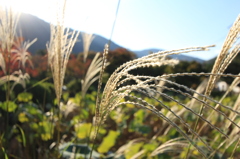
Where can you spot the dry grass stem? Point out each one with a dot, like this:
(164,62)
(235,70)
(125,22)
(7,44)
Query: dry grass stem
(232,115)
(92,73)
(2,63)
(117,88)
(8,24)
(98,101)
(87,40)
(59,48)
(21,53)
(126,147)
(17,77)
(174,145)
(226,55)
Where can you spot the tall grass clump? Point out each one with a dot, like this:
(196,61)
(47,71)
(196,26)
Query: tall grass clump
(122,87)
(59,48)
(14,58)
(13,52)
(134,116)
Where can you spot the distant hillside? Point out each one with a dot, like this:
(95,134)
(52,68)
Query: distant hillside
(33,27)
(179,57)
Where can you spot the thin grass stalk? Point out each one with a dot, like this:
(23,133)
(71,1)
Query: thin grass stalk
(159,114)
(90,77)
(98,100)
(59,49)
(199,100)
(96,123)
(96,131)
(111,97)
(87,40)
(235,148)
(234,83)
(92,73)
(146,61)
(123,148)
(112,93)
(198,115)
(173,145)
(8,25)
(127,88)
(198,91)
(220,64)
(233,137)
(170,98)
(178,117)
(189,89)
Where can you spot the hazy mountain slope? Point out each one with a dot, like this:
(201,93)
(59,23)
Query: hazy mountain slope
(33,27)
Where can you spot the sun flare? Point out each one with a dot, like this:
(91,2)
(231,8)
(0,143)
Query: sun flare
(35,7)
(16,5)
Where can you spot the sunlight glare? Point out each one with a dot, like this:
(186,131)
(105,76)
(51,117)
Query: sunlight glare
(16,5)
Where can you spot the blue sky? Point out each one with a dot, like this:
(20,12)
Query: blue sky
(142,24)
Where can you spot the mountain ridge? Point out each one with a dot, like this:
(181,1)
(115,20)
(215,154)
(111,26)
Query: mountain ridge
(33,27)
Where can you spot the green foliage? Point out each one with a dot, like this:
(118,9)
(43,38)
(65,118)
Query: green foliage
(34,126)
(22,117)
(8,106)
(83,130)
(108,141)
(45,130)
(137,123)
(133,149)
(43,92)
(23,135)
(24,97)
(4,153)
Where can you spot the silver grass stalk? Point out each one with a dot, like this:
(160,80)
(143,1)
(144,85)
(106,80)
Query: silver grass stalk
(8,24)
(140,154)
(233,137)
(173,145)
(87,40)
(59,48)
(20,52)
(229,50)
(232,115)
(98,101)
(125,147)
(17,77)
(160,84)
(234,134)
(116,89)
(121,75)
(193,102)
(2,63)
(179,111)
(92,73)
(9,20)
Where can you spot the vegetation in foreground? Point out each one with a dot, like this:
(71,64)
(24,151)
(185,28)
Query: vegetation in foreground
(136,115)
